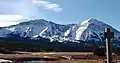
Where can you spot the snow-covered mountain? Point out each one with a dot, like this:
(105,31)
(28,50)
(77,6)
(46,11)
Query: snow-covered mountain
(90,29)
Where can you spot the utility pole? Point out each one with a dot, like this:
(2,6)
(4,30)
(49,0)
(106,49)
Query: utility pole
(108,35)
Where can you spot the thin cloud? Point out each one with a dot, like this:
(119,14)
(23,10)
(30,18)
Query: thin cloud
(7,20)
(48,5)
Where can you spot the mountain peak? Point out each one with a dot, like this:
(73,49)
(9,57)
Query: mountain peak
(90,20)
(90,29)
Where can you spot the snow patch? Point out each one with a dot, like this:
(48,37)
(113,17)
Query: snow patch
(3,60)
(67,32)
(43,31)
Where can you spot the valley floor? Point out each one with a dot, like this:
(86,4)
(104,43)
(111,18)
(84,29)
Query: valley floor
(58,57)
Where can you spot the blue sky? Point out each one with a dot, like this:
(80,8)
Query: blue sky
(61,11)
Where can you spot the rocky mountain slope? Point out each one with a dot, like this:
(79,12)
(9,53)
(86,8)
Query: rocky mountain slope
(90,29)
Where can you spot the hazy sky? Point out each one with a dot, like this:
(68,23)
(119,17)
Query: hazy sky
(60,11)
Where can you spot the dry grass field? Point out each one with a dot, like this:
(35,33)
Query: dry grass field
(60,57)
(75,61)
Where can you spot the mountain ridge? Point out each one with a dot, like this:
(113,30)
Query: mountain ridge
(90,29)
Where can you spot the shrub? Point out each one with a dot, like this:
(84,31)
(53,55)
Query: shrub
(99,51)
